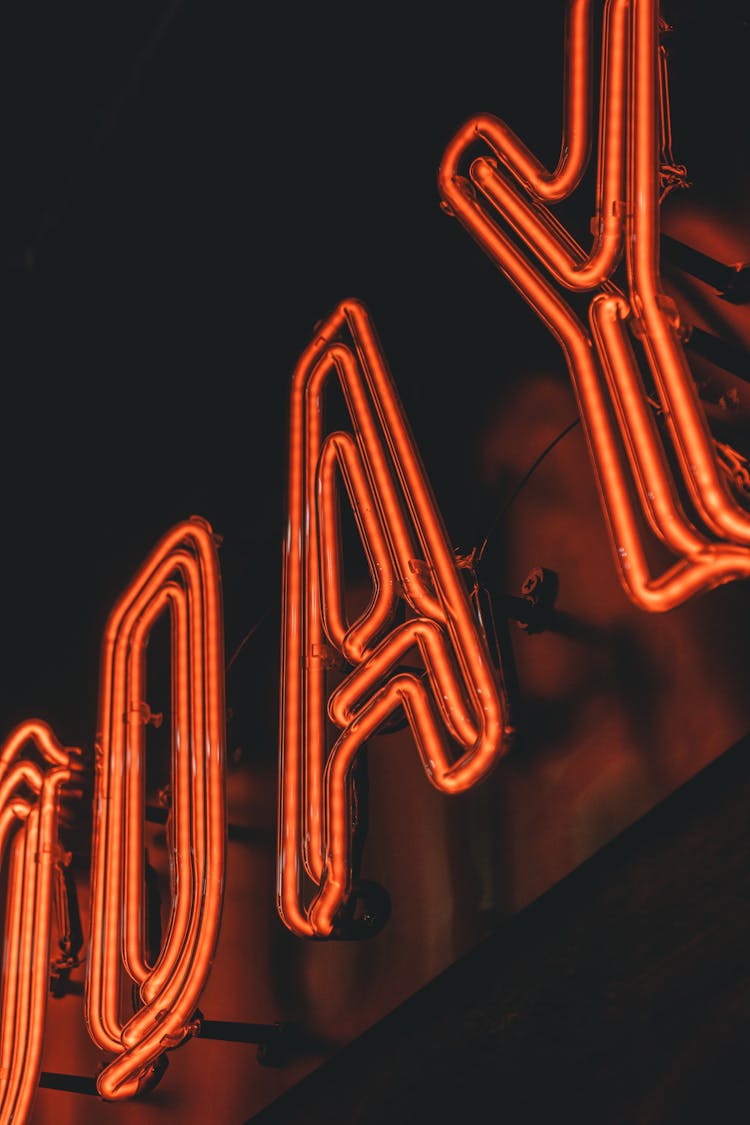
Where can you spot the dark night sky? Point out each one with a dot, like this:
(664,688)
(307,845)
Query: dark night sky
(189,222)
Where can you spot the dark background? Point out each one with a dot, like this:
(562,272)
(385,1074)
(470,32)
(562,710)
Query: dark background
(187,190)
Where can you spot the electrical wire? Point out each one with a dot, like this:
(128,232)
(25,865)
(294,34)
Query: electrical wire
(478,555)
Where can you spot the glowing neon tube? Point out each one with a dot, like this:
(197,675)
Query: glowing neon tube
(180,578)
(34,773)
(457,708)
(502,200)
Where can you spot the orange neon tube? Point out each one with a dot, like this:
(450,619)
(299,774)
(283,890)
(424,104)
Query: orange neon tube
(180,578)
(503,199)
(419,608)
(34,773)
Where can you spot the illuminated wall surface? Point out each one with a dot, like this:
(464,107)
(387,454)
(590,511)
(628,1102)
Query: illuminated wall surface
(214,224)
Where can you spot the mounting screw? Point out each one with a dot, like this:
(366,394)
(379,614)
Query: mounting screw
(539,591)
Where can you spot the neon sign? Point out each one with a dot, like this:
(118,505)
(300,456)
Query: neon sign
(35,771)
(180,578)
(633,332)
(419,605)
(418,646)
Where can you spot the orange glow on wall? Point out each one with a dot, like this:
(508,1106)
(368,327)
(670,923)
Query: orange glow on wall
(634,337)
(419,614)
(31,788)
(180,578)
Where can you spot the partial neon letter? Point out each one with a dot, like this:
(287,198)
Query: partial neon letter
(416,649)
(503,196)
(34,772)
(181,578)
